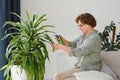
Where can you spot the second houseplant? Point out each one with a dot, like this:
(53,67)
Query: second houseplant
(110,39)
(28,46)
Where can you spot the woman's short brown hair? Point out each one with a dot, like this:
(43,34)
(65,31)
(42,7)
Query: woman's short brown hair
(86,18)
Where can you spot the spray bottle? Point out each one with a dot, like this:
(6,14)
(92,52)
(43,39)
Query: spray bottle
(59,39)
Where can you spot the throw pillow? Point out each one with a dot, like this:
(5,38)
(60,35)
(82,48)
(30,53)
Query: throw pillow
(92,75)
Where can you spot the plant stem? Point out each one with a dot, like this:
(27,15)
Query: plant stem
(113,34)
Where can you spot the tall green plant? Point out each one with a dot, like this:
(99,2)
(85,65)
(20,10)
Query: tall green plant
(110,41)
(118,40)
(27,47)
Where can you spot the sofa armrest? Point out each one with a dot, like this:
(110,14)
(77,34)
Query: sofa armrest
(106,69)
(112,59)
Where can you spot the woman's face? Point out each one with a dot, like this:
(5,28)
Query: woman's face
(83,27)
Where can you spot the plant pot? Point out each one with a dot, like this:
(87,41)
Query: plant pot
(17,73)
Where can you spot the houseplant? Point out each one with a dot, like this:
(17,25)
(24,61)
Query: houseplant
(28,46)
(110,40)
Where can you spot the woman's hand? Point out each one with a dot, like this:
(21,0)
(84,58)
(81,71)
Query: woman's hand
(59,46)
(56,46)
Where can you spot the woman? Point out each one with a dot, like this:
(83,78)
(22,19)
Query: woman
(85,48)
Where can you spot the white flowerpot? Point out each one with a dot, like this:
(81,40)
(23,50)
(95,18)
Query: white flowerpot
(17,73)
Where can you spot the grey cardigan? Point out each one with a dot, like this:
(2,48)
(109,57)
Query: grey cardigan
(87,51)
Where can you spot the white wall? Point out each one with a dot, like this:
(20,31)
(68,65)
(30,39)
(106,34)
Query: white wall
(62,13)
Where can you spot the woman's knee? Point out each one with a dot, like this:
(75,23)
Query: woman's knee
(58,76)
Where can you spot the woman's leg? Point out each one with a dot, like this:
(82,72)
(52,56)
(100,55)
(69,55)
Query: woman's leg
(65,74)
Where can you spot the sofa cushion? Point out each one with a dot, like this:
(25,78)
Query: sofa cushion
(92,75)
(112,59)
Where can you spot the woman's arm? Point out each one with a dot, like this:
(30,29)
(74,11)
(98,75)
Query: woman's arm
(91,45)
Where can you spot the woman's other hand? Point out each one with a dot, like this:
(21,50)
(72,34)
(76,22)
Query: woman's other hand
(60,47)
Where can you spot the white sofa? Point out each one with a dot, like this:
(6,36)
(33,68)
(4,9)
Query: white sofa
(110,65)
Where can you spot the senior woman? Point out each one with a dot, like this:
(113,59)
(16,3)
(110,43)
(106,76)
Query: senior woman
(86,48)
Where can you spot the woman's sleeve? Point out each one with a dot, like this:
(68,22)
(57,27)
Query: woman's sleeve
(74,42)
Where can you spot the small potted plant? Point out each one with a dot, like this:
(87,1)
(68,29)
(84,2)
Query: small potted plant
(110,40)
(27,48)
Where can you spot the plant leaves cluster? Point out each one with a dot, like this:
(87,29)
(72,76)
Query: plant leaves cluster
(28,46)
(110,40)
